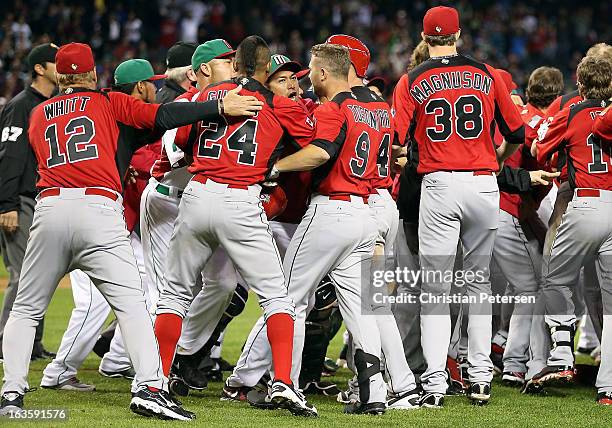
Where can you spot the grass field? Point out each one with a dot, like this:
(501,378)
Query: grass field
(108,406)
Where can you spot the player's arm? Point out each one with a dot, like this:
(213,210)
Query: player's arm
(329,136)
(142,115)
(508,119)
(519,180)
(14,139)
(551,137)
(602,126)
(403,110)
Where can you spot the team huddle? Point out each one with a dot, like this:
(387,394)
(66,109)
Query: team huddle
(247,172)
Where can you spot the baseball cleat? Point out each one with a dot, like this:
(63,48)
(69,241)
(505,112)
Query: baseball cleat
(260,399)
(11,402)
(321,388)
(234,393)
(480,393)
(330,367)
(359,408)
(72,384)
(407,401)
(513,378)
(351,395)
(532,388)
(432,400)
(224,366)
(177,386)
(287,397)
(604,398)
(497,358)
(554,375)
(584,351)
(127,373)
(153,402)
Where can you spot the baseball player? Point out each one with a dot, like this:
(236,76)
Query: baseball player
(18,178)
(180,74)
(401,385)
(134,77)
(212,63)
(78,222)
(576,240)
(517,252)
(451,102)
(221,207)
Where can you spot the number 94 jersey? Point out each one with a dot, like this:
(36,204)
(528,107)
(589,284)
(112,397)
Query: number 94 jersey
(450,105)
(239,151)
(352,128)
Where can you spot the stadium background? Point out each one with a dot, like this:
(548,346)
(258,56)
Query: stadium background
(518,36)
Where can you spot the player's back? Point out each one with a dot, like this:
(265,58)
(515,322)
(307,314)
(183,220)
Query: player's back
(589,161)
(360,122)
(457,101)
(74,136)
(239,151)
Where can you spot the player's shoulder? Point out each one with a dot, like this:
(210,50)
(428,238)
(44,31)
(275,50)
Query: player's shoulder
(365,95)
(450,61)
(586,106)
(188,96)
(331,108)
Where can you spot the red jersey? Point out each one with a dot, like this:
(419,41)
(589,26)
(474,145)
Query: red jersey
(74,136)
(449,105)
(240,151)
(563,101)
(571,130)
(141,161)
(163,164)
(602,127)
(382,178)
(350,128)
(532,117)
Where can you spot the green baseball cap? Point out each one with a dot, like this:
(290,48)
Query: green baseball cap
(135,70)
(282,62)
(212,49)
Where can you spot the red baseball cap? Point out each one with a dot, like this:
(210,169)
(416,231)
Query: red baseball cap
(74,58)
(359,52)
(441,21)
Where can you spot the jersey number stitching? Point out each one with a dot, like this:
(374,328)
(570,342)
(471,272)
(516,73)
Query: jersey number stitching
(80,130)
(242,140)
(467,115)
(359,163)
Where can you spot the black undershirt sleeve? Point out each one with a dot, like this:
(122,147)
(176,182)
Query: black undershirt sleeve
(172,115)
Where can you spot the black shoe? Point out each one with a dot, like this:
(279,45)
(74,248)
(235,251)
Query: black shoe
(127,373)
(585,351)
(214,375)
(432,400)
(11,402)
(321,388)
(260,399)
(532,388)
(39,352)
(186,368)
(604,398)
(177,386)
(480,393)
(365,409)
(224,366)
(232,393)
(407,401)
(554,375)
(286,396)
(158,403)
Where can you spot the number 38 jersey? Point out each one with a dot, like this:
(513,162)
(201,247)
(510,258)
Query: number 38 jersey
(351,128)
(589,159)
(240,151)
(449,106)
(75,136)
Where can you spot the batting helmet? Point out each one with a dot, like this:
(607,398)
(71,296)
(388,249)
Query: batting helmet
(359,53)
(273,200)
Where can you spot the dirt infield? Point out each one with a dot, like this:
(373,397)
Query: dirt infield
(64,283)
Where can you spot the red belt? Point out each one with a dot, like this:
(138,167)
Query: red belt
(55,191)
(483,173)
(203,180)
(589,193)
(346,198)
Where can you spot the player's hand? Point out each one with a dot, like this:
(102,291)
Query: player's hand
(272,174)
(399,164)
(239,105)
(9,221)
(131,175)
(543,178)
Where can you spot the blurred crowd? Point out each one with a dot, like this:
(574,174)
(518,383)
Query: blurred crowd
(515,35)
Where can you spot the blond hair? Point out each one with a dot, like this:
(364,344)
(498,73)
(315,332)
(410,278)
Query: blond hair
(419,55)
(66,80)
(600,49)
(447,40)
(178,74)
(335,59)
